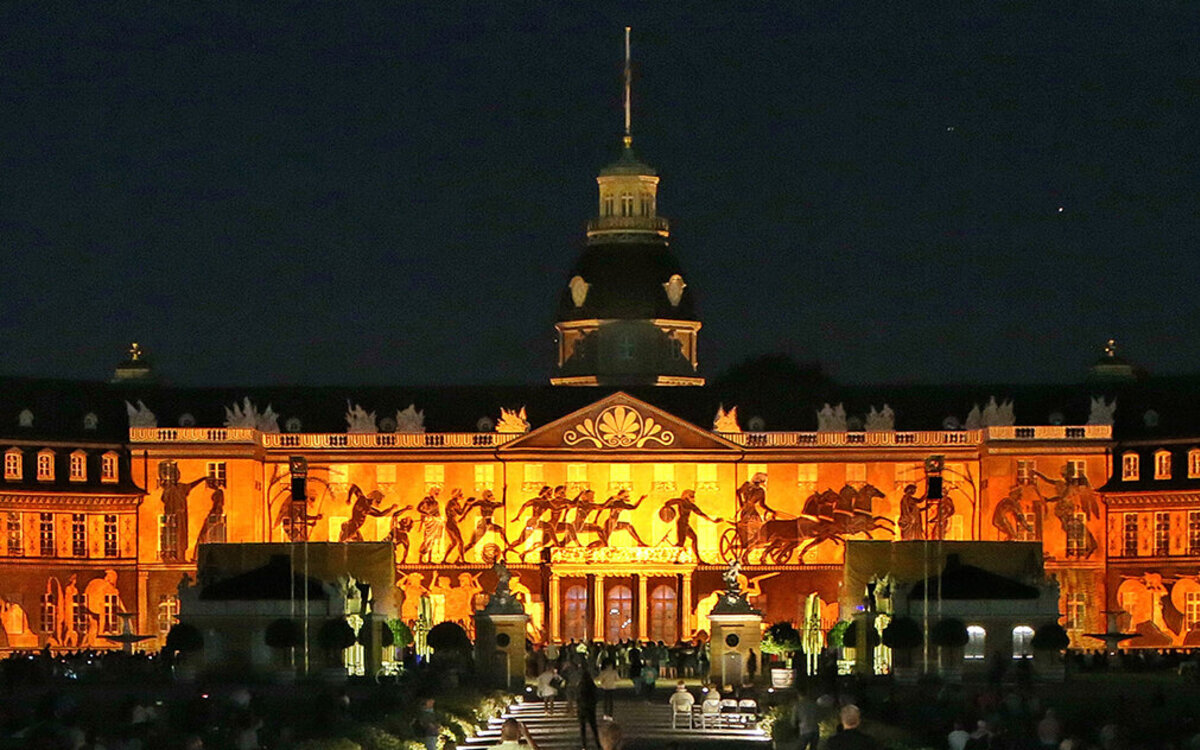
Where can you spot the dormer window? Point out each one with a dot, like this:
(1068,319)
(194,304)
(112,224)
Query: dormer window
(1162,465)
(78,466)
(12,464)
(1130,467)
(108,467)
(45,465)
(90,421)
(1194,463)
(25,418)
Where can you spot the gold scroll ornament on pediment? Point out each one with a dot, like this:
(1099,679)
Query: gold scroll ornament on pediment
(619,427)
(622,555)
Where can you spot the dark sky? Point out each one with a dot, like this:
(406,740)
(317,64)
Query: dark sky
(340,193)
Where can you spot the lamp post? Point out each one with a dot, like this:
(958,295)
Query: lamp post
(298,468)
(933,492)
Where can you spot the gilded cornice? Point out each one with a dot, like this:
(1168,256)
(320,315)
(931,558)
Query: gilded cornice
(1152,498)
(57,501)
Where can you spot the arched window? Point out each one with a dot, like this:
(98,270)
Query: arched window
(1130,466)
(976,643)
(575,614)
(663,614)
(1022,642)
(1162,465)
(618,614)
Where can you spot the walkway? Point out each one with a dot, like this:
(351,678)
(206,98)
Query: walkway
(643,724)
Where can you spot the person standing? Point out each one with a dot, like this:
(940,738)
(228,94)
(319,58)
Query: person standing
(586,706)
(427,726)
(808,727)
(852,737)
(649,677)
(608,683)
(547,687)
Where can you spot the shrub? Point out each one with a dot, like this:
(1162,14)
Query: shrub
(448,636)
(903,633)
(335,635)
(402,635)
(781,638)
(950,632)
(184,638)
(284,633)
(837,634)
(1050,637)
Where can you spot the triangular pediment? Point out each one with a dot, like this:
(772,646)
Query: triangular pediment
(621,423)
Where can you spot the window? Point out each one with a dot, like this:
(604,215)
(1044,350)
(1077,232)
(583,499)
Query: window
(1077,535)
(216,472)
(435,476)
(1129,535)
(1129,466)
(627,205)
(16,545)
(608,205)
(12,619)
(618,614)
(168,611)
(12,464)
(663,612)
(45,466)
(110,613)
(46,534)
(664,477)
(906,473)
(619,477)
(1162,464)
(534,477)
(1194,532)
(168,544)
(110,536)
(1025,471)
(1162,533)
(1077,471)
(806,479)
(856,475)
(79,535)
(78,466)
(577,478)
(575,614)
(485,477)
(706,478)
(627,347)
(1022,642)
(1028,532)
(108,467)
(1191,610)
(1076,610)
(49,613)
(1194,463)
(80,617)
(385,474)
(976,648)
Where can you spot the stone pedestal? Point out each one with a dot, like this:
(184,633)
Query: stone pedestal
(500,649)
(734,636)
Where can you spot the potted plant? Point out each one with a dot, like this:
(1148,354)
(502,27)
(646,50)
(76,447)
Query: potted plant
(903,635)
(334,637)
(283,635)
(1048,643)
(183,639)
(782,639)
(950,636)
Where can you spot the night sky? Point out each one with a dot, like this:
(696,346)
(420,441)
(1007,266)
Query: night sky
(267,193)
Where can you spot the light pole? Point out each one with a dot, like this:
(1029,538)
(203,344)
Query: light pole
(933,492)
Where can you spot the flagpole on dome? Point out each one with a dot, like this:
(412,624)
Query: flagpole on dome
(628,87)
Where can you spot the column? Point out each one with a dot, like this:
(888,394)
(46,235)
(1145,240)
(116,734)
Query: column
(643,608)
(553,609)
(685,605)
(598,608)
(146,618)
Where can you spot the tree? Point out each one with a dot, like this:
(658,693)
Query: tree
(837,634)
(1050,637)
(949,633)
(903,634)
(284,633)
(184,639)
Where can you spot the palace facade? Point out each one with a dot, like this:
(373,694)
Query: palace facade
(617,498)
